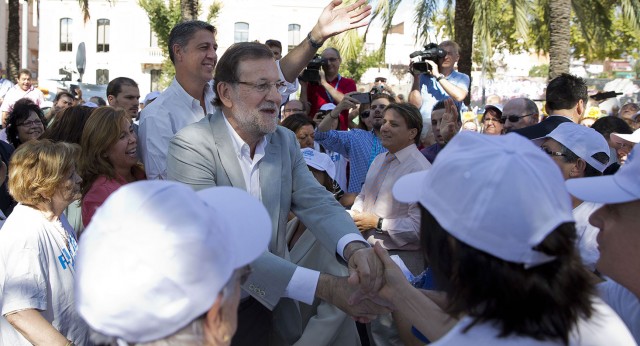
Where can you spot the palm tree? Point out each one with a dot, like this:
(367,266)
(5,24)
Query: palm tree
(559,35)
(13,40)
(189,9)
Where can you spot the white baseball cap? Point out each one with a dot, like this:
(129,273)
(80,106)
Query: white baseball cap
(150,97)
(157,254)
(623,186)
(319,161)
(497,107)
(633,137)
(498,194)
(583,141)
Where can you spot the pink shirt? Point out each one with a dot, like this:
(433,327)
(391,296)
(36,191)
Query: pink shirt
(16,93)
(102,188)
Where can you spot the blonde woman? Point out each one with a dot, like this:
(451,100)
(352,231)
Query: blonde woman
(109,157)
(38,249)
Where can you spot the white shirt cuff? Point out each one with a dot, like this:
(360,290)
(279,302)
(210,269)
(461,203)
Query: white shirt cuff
(302,286)
(348,238)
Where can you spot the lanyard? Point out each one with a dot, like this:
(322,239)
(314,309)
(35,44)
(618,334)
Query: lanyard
(336,87)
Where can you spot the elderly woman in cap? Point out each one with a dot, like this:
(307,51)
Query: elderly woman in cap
(38,249)
(492,123)
(148,277)
(511,275)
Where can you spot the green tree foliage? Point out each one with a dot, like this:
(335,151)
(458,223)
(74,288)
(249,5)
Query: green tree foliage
(355,60)
(539,71)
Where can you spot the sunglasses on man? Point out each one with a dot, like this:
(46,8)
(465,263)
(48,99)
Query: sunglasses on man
(515,118)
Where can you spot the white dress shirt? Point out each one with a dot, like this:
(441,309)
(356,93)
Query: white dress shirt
(401,221)
(304,282)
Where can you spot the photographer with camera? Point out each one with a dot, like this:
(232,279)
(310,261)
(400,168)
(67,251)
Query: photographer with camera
(330,88)
(434,79)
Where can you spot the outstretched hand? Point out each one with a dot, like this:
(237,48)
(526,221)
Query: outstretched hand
(450,124)
(334,20)
(337,291)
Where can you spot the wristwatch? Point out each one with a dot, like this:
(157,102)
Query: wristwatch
(440,76)
(380,224)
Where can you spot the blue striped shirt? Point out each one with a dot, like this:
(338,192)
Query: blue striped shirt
(359,146)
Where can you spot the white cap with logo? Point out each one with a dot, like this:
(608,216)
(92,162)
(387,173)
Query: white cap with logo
(498,194)
(157,254)
(319,161)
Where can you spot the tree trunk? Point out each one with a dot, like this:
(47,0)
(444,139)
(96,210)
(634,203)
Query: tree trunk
(559,36)
(189,9)
(13,40)
(463,31)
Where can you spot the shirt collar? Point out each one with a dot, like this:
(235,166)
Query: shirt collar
(405,153)
(183,94)
(239,145)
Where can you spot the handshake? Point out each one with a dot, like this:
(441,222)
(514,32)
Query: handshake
(368,291)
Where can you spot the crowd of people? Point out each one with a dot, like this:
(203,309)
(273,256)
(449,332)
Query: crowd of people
(225,211)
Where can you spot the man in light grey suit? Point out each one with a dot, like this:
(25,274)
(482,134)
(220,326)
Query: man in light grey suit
(240,145)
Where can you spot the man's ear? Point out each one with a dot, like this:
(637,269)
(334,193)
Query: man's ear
(580,107)
(110,99)
(578,168)
(223,89)
(177,52)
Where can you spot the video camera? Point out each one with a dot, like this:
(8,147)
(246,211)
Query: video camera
(312,72)
(431,52)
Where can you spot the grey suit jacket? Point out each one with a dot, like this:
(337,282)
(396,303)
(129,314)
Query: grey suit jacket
(202,155)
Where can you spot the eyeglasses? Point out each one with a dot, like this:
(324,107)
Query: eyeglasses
(383,80)
(515,118)
(30,123)
(264,87)
(292,110)
(552,153)
(378,107)
(365,114)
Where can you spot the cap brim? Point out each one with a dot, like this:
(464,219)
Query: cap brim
(619,137)
(408,189)
(249,223)
(602,189)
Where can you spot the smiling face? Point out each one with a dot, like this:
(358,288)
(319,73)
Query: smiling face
(128,99)
(253,113)
(196,61)
(24,81)
(30,128)
(122,154)
(332,62)
(395,134)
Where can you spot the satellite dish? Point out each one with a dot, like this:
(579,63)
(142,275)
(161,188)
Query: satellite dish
(81,60)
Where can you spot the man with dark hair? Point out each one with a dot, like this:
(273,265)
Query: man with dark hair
(240,145)
(123,92)
(331,88)
(357,145)
(98,100)
(606,126)
(566,101)
(192,49)
(518,113)
(62,101)
(276,48)
(442,82)
(445,123)
(23,89)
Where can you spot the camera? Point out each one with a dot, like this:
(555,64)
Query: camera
(312,72)
(431,52)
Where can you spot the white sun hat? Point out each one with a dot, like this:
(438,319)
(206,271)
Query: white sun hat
(319,161)
(157,254)
(498,194)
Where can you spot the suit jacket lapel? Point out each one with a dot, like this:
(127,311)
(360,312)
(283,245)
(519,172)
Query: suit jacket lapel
(270,169)
(226,150)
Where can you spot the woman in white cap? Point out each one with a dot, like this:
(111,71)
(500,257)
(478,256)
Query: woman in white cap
(162,264)
(505,258)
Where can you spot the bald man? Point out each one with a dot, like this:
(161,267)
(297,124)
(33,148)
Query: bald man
(518,113)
